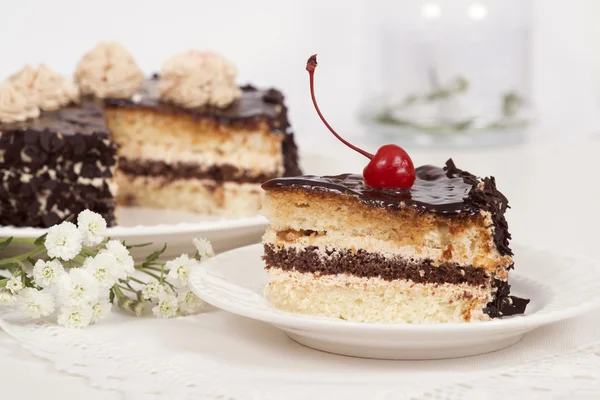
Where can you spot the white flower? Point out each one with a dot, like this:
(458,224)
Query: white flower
(179,270)
(35,303)
(125,263)
(100,310)
(63,241)
(14,284)
(204,248)
(78,288)
(92,227)
(45,273)
(103,267)
(6,298)
(166,307)
(75,317)
(189,303)
(153,290)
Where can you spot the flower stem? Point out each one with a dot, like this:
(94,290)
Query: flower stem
(16,259)
(158,278)
(127,288)
(141,282)
(80,258)
(151,268)
(28,241)
(88,252)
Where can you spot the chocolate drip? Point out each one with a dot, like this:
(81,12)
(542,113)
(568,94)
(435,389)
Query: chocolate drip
(504,304)
(485,196)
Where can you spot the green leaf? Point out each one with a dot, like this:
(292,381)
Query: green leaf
(5,243)
(111,296)
(155,255)
(131,246)
(40,241)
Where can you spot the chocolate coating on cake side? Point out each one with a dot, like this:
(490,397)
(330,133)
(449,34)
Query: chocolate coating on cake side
(56,166)
(448,191)
(503,304)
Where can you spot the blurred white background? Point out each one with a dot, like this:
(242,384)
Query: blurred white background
(270,40)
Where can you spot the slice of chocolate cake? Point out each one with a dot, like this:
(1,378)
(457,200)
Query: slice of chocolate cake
(207,159)
(437,252)
(55,166)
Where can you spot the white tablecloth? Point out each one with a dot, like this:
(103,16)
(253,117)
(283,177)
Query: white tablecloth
(554,195)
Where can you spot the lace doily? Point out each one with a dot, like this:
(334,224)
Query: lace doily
(220,356)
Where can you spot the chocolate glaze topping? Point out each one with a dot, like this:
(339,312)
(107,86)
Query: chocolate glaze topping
(433,190)
(84,119)
(254,104)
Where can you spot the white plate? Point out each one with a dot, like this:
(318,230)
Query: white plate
(178,228)
(559,287)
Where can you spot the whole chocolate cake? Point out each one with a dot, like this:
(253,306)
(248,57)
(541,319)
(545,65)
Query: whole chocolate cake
(191,139)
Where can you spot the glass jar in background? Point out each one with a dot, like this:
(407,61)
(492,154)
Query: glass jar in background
(448,72)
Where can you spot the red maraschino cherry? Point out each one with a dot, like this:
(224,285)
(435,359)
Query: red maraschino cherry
(389,168)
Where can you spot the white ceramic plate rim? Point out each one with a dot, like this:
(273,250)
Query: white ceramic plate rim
(277,317)
(130,231)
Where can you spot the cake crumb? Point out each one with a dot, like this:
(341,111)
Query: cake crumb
(447,253)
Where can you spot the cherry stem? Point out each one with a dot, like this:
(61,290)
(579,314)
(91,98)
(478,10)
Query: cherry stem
(311,65)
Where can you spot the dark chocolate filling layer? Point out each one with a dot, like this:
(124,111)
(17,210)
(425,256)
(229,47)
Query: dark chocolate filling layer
(369,265)
(219,173)
(449,192)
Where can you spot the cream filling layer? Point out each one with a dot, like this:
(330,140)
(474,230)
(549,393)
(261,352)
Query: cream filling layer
(204,196)
(462,250)
(250,157)
(375,300)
